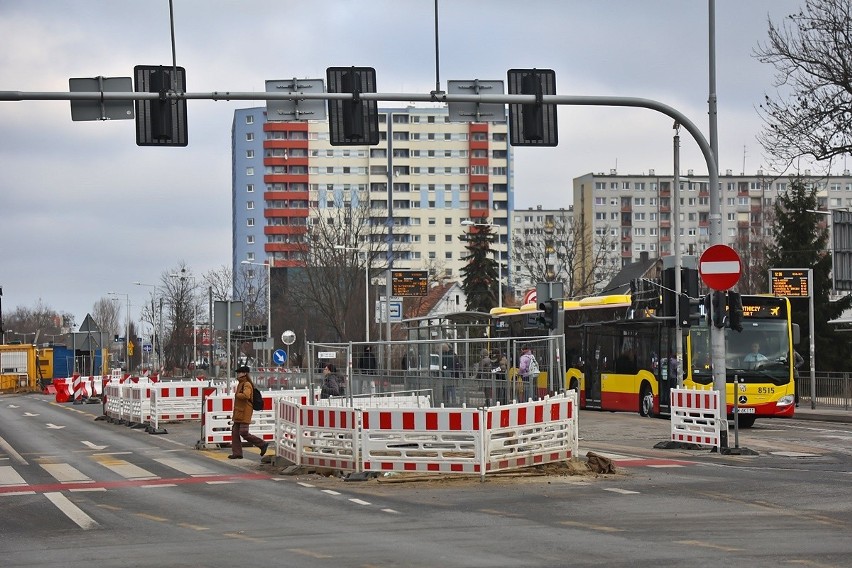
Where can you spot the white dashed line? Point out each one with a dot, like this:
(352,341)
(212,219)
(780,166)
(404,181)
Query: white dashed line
(359,502)
(330,492)
(622,491)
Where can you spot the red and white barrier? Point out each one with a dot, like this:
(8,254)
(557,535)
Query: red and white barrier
(696,417)
(444,440)
(175,402)
(219,408)
(535,433)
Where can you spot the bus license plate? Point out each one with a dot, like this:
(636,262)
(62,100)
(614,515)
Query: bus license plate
(744,410)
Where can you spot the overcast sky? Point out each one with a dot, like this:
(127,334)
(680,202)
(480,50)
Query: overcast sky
(84,211)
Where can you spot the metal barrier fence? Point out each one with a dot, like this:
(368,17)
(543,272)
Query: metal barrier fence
(833,390)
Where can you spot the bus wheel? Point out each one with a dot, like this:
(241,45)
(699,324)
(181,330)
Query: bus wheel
(646,400)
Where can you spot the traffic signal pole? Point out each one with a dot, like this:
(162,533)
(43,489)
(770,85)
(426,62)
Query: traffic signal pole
(717,336)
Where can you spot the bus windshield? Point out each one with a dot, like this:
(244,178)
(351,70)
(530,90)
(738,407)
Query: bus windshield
(760,351)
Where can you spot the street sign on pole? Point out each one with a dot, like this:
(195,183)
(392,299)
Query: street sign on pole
(720,267)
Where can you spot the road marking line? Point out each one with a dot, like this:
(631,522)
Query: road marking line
(4,445)
(391,511)
(82,489)
(303,484)
(712,545)
(243,537)
(193,527)
(311,553)
(18,493)
(622,491)
(72,511)
(359,502)
(330,492)
(10,478)
(65,473)
(151,517)
(601,528)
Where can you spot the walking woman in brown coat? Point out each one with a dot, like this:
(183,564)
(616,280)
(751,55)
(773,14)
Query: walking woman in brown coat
(241,417)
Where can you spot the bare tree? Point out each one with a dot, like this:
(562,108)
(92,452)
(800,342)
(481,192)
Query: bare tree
(181,304)
(554,252)
(107,314)
(344,239)
(41,322)
(811,114)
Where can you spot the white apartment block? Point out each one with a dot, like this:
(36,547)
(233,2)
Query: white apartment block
(443,173)
(638,210)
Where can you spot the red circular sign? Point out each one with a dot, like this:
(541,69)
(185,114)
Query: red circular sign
(529,297)
(720,267)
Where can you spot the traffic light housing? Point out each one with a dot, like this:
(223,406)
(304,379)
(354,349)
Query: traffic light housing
(689,289)
(532,124)
(160,122)
(735,311)
(549,317)
(352,122)
(719,315)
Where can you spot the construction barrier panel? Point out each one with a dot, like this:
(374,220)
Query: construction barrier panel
(219,408)
(175,402)
(440,440)
(534,433)
(696,417)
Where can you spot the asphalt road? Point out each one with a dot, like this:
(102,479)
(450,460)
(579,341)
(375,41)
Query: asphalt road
(76,492)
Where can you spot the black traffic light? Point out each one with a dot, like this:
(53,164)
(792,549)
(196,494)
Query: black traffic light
(160,122)
(735,311)
(689,289)
(532,124)
(549,317)
(352,122)
(719,315)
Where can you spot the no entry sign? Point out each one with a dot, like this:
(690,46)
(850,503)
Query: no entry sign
(720,267)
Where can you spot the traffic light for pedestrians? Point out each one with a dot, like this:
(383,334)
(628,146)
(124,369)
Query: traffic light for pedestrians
(352,122)
(532,124)
(160,122)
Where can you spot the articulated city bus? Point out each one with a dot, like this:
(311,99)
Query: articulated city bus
(622,359)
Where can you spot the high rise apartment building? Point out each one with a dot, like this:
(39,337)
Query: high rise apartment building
(443,173)
(638,211)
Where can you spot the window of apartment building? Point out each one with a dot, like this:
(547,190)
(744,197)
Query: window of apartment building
(638,201)
(250,240)
(431,204)
(638,216)
(479,170)
(835,202)
(743,201)
(479,154)
(614,216)
(249,154)
(639,186)
(600,200)
(653,186)
(625,185)
(638,231)
(704,201)
(448,220)
(613,201)
(250,188)
(249,205)
(403,136)
(432,238)
(448,255)
(613,185)
(639,246)
(600,185)
(652,232)
(732,216)
(498,171)
(731,201)
(249,171)
(249,136)
(249,119)
(432,255)
(600,231)
(250,222)
(432,221)
(499,136)
(652,216)
(600,216)
(499,154)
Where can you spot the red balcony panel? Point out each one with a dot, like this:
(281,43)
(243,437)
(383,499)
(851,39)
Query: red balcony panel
(285,178)
(285,230)
(285,144)
(268,195)
(285,127)
(279,161)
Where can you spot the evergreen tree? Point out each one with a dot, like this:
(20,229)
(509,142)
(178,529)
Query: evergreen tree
(801,243)
(479,275)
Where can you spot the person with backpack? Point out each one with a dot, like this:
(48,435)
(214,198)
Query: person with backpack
(332,383)
(241,418)
(528,369)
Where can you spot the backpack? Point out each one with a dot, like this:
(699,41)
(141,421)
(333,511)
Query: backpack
(256,398)
(533,370)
